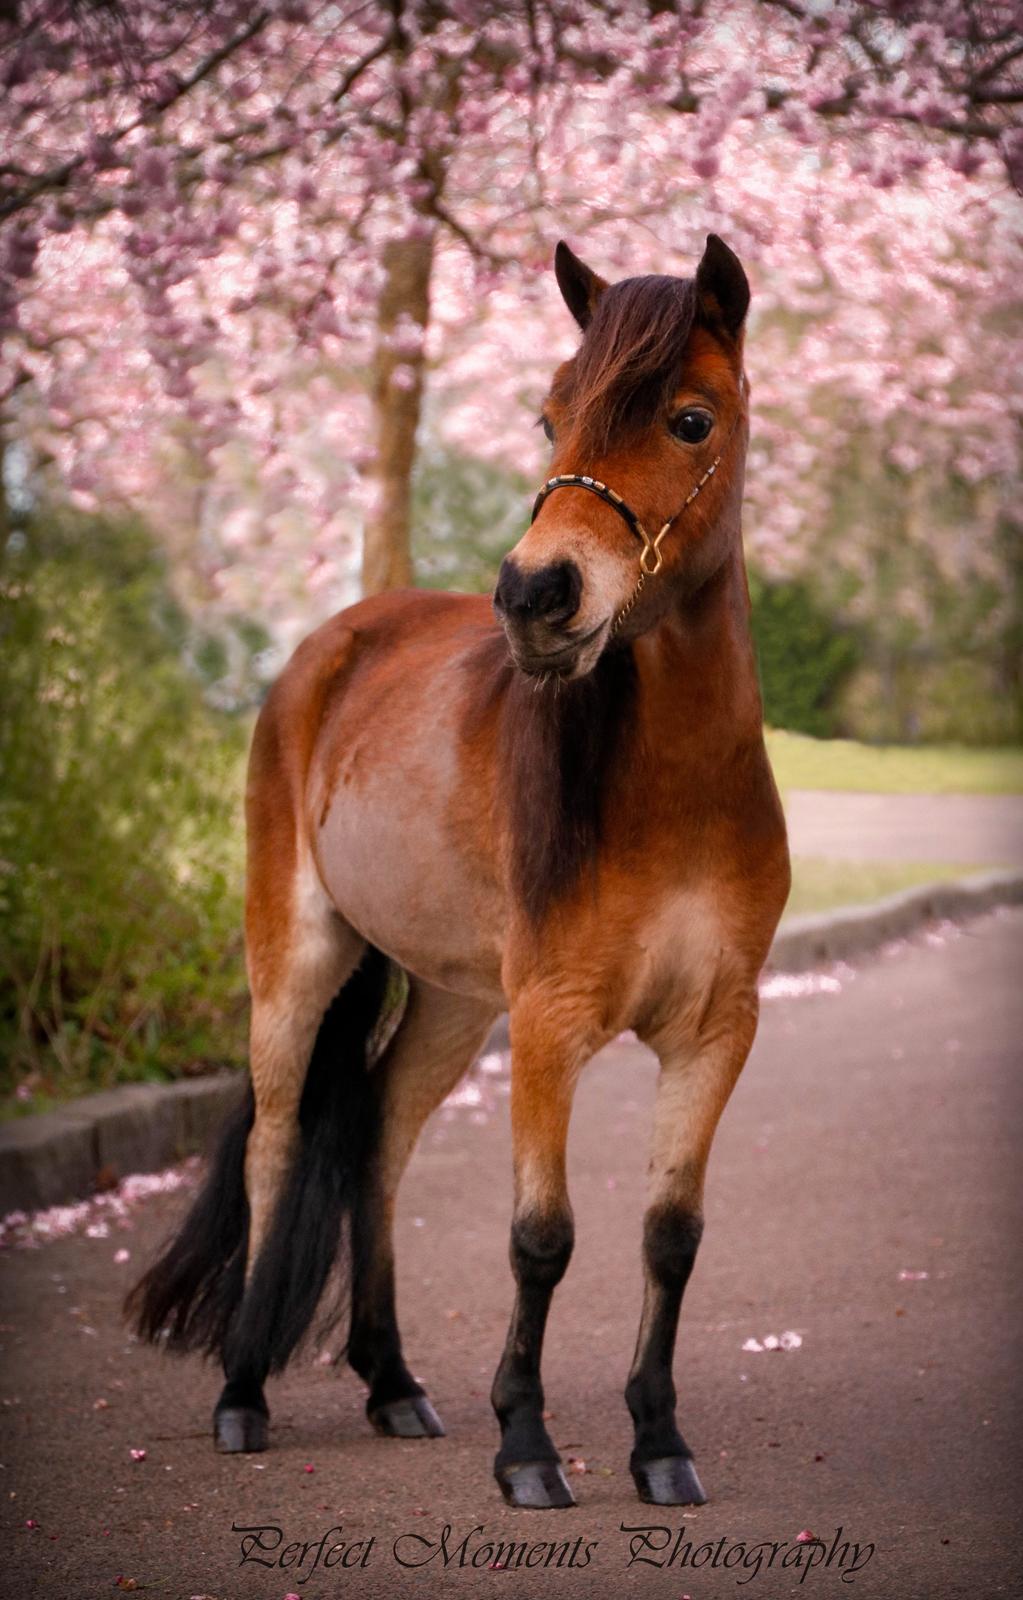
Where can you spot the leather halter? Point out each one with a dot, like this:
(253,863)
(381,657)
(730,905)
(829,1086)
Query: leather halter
(650,559)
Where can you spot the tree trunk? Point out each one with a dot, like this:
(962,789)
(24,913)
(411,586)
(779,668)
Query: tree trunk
(397,403)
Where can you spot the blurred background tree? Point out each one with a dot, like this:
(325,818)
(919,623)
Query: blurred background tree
(275,282)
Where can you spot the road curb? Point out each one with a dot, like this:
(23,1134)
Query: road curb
(809,941)
(66,1155)
(61,1156)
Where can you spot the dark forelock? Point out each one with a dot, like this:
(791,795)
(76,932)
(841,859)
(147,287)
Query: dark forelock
(630,358)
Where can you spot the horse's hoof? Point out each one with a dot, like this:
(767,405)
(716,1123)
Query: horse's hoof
(411,1418)
(237,1429)
(534,1485)
(671,1481)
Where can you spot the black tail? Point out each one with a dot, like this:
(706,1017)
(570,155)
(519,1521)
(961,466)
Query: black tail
(191,1291)
(196,1289)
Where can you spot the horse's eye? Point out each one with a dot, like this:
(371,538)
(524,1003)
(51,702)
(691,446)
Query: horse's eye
(691,425)
(548,428)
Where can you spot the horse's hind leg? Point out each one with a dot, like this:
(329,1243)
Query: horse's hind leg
(437,1040)
(300,956)
(695,1082)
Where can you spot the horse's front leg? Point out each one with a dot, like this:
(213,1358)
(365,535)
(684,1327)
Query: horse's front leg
(544,1073)
(695,1082)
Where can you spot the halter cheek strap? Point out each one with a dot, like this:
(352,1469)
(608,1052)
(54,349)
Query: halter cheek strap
(650,558)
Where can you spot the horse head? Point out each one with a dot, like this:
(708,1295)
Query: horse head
(648,423)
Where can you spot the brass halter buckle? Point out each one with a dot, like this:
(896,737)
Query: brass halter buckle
(650,559)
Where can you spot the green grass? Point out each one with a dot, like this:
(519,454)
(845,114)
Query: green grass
(803,763)
(819,884)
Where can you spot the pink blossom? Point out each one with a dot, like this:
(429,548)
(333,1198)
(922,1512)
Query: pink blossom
(868,233)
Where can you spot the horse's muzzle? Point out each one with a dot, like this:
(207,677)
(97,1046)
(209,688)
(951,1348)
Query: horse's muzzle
(567,656)
(548,596)
(535,609)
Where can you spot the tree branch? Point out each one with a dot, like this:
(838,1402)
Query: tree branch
(58,177)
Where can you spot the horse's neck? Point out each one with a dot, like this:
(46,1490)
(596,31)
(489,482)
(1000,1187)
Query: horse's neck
(698,666)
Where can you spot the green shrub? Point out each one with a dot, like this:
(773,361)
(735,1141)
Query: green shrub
(120,825)
(952,701)
(466,514)
(804,657)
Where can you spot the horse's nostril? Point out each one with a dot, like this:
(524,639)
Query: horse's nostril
(509,587)
(550,593)
(556,590)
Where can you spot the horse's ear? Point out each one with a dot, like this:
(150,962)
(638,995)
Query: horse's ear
(580,287)
(722,289)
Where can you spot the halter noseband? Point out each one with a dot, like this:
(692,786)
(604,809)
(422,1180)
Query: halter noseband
(650,558)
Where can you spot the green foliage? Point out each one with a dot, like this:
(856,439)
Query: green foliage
(932,572)
(944,700)
(804,657)
(466,515)
(120,825)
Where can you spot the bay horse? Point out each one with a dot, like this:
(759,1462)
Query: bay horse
(567,812)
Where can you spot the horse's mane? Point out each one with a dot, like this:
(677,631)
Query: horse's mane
(630,357)
(560,747)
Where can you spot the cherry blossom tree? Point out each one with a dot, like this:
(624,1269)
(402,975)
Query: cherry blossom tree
(242,247)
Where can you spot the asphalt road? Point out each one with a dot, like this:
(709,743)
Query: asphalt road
(863,1194)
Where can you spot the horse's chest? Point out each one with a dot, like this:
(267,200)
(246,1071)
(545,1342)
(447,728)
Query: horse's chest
(681,945)
(683,933)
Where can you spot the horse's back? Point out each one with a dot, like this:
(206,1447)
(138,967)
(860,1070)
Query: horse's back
(384,638)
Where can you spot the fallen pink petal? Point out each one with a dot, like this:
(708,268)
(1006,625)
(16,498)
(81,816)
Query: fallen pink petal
(29,1230)
(138,1455)
(789,1340)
